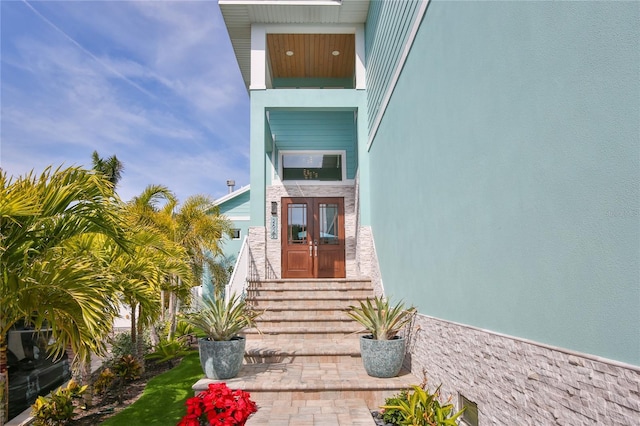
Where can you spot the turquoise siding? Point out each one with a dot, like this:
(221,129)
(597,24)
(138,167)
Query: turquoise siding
(386,31)
(231,247)
(236,206)
(316,130)
(513,203)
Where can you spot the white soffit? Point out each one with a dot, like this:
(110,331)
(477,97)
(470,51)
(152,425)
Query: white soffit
(239,15)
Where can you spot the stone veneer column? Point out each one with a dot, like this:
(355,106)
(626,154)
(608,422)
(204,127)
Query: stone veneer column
(516,382)
(367,259)
(256,243)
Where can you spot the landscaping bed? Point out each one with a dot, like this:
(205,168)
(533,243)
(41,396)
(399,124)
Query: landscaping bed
(169,386)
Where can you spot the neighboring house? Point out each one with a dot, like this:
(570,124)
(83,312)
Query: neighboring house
(235,206)
(477,159)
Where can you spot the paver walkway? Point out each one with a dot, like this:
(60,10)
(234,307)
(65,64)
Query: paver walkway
(306,367)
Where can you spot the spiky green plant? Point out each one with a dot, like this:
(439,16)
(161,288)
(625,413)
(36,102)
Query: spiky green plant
(381,319)
(222,320)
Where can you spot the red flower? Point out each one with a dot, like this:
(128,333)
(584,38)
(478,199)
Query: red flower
(219,406)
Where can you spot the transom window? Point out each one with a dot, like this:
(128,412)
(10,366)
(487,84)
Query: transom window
(312,166)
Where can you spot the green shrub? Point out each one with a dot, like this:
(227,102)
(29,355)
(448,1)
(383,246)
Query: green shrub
(168,350)
(58,408)
(183,328)
(121,345)
(127,368)
(104,381)
(393,415)
(422,408)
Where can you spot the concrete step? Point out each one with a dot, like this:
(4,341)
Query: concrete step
(320,412)
(299,304)
(307,293)
(323,329)
(333,284)
(268,382)
(285,349)
(283,315)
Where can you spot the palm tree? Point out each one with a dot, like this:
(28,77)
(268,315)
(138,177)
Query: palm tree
(196,226)
(48,279)
(111,168)
(153,208)
(199,227)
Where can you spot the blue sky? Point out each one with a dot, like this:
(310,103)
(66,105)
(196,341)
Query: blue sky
(153,82)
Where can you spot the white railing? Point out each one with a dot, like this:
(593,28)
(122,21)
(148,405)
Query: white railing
(238,281)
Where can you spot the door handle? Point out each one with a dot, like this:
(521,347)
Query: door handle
(316,248)
(310,249)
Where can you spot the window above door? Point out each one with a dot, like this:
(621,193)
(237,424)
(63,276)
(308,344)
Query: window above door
(312,166)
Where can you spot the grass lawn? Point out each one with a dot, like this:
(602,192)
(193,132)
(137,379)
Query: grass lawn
(162,402)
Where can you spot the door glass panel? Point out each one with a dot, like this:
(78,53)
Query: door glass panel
(297,224)
(328,223)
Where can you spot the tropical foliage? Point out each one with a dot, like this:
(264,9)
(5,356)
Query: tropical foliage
(420,407)
(48,278)
(71,253)
(111,168)
(57,409)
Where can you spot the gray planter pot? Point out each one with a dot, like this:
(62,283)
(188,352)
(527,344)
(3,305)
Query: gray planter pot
(382,358)
(221,360)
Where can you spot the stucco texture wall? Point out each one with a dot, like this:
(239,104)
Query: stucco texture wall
(505,173)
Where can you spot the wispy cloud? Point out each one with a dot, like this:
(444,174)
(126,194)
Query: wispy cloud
(154,83)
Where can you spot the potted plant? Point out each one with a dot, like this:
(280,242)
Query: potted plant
(382,350)
(222,350)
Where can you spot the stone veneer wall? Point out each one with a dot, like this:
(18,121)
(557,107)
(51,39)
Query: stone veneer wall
(273,246)
(516,382)
(367,259)
(256,242)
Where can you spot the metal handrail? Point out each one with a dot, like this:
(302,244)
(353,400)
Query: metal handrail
(238,280)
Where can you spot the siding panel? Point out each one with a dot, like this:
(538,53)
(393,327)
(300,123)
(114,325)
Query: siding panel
(316,130)
(386,32)
(237,206)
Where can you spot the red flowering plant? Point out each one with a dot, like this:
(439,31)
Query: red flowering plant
(218,406)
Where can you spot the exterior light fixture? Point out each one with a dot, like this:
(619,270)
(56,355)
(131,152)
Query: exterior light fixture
(335,52)
(289,53)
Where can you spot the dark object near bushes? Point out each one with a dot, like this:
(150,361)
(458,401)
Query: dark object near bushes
(32,371)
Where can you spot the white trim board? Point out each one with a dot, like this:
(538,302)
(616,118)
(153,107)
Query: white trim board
(398,70)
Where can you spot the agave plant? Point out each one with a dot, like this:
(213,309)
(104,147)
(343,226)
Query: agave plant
(380,319)
(222,320)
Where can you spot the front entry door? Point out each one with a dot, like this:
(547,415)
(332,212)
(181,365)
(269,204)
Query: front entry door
(313,238)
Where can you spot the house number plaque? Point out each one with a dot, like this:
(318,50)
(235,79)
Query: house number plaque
(274,227)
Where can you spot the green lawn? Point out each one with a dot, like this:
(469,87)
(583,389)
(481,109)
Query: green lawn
(162,402)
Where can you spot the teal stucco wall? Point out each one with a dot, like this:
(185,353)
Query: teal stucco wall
(505,174)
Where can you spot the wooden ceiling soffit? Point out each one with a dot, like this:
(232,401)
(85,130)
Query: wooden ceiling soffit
(311,55)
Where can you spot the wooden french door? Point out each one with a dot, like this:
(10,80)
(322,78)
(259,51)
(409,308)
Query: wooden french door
(313,238)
